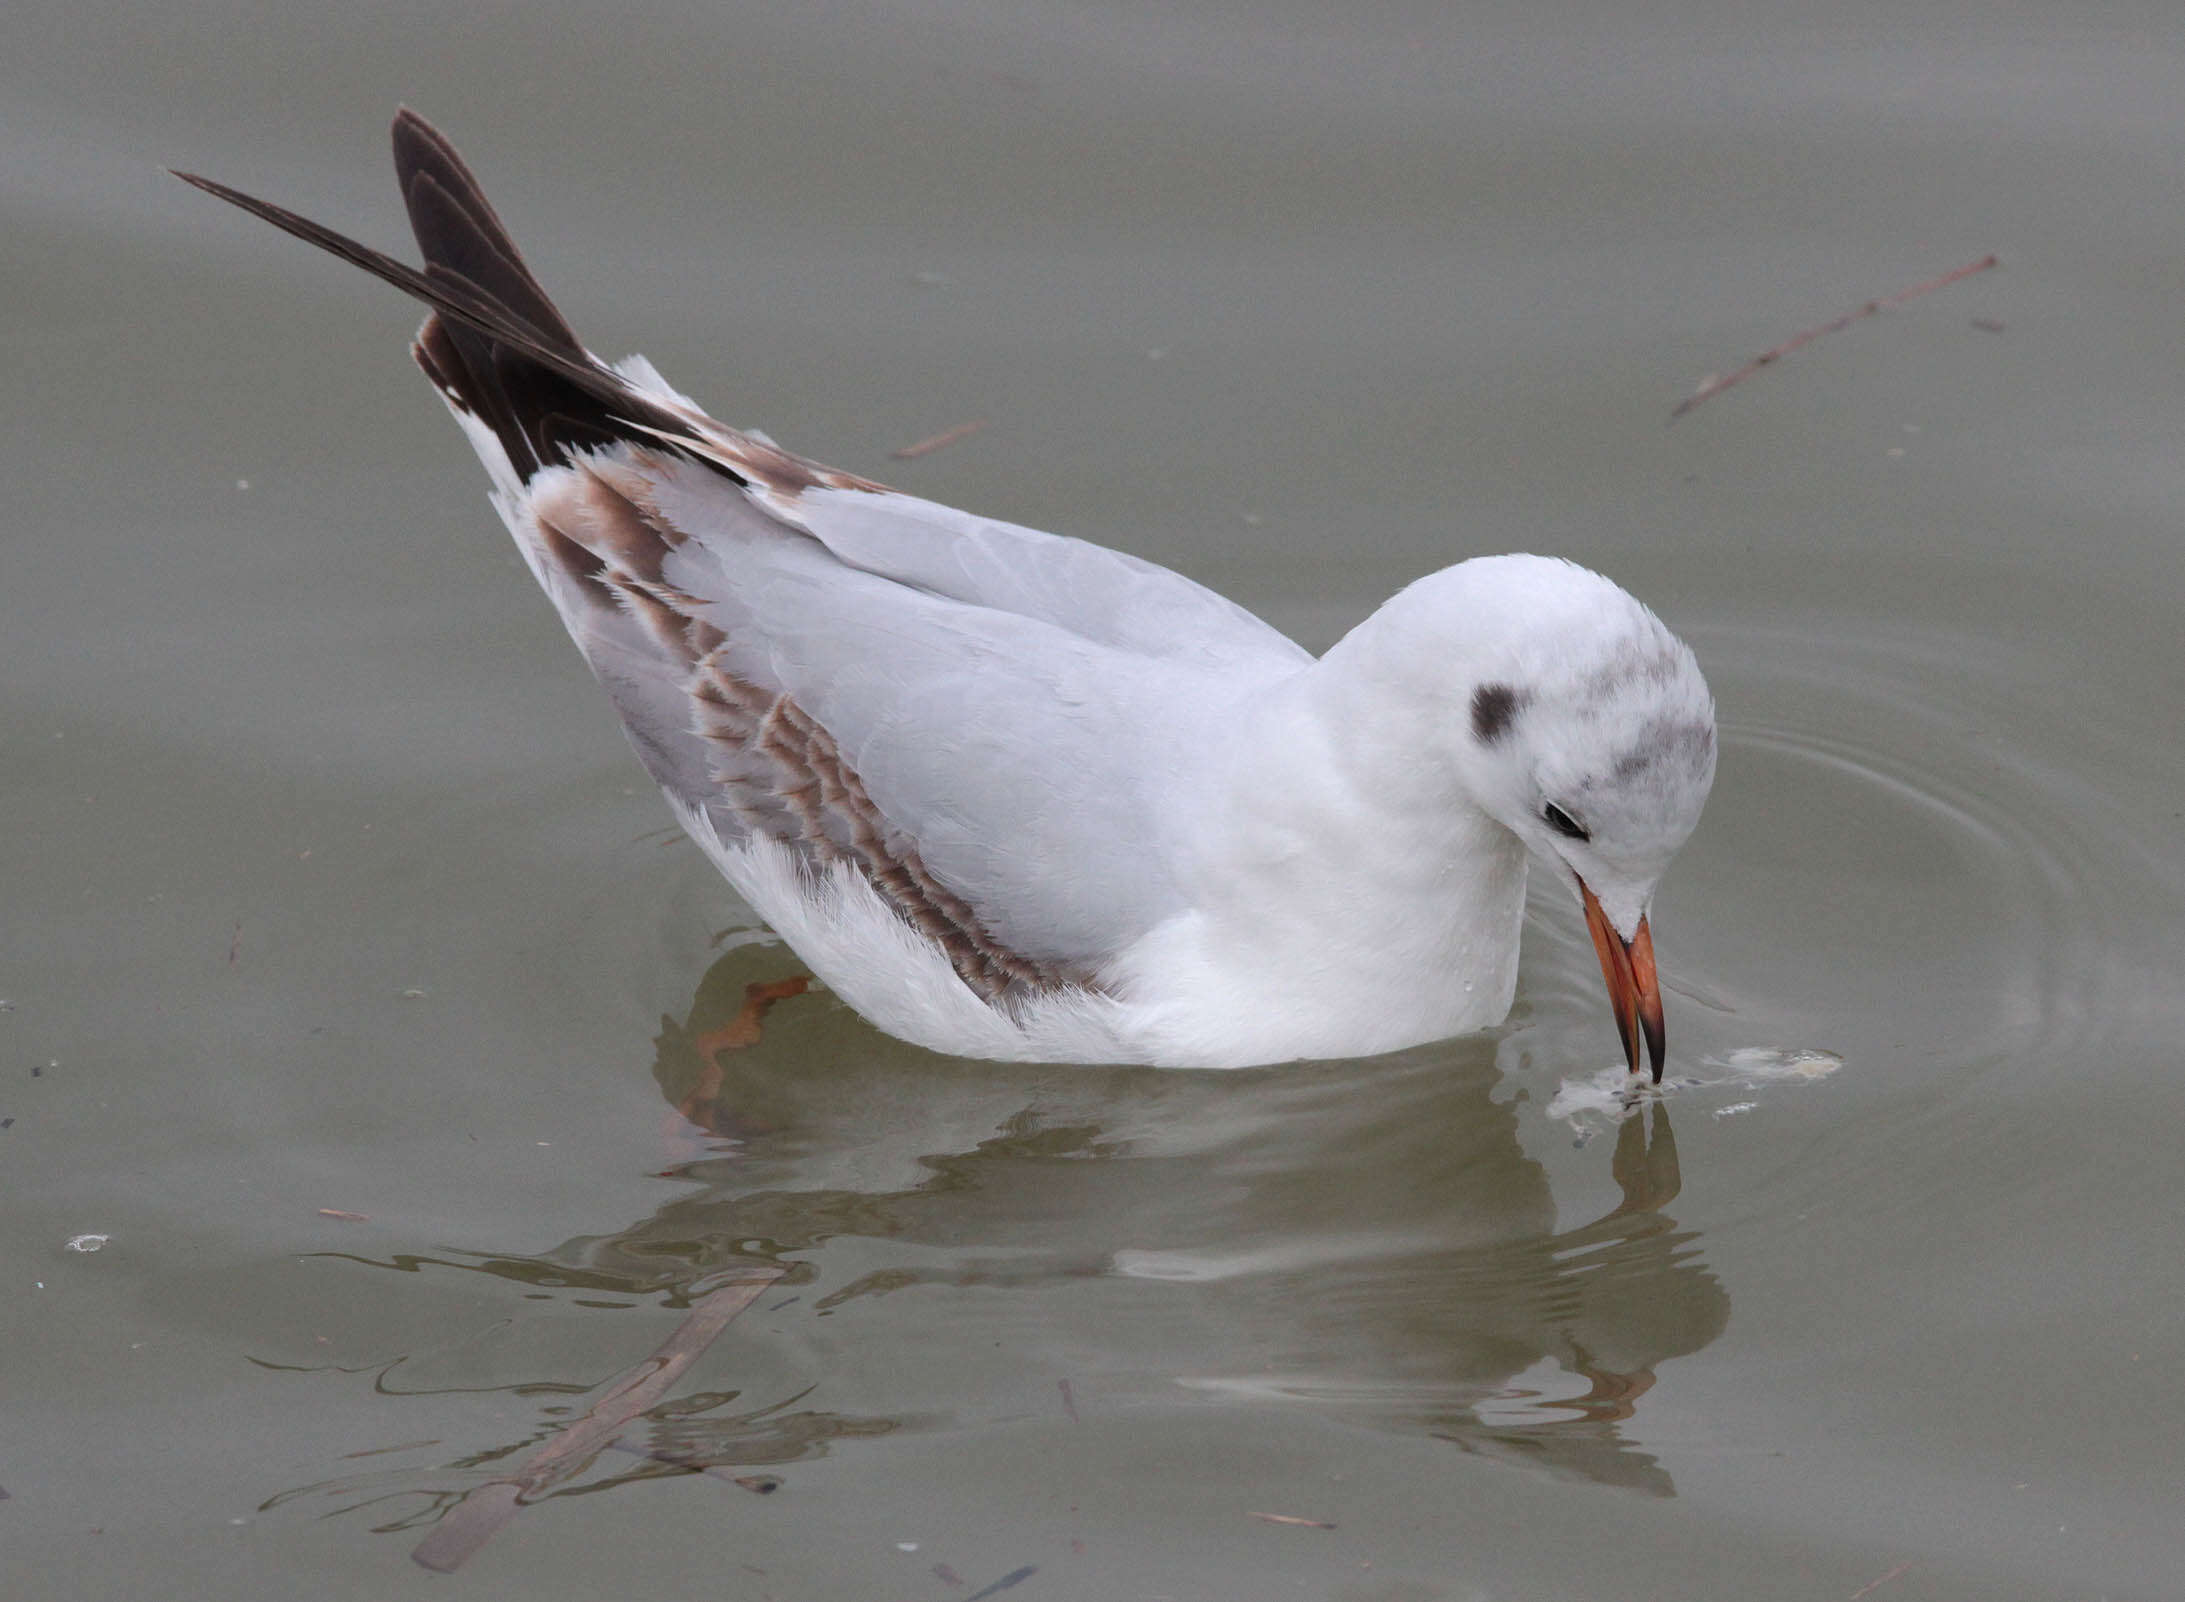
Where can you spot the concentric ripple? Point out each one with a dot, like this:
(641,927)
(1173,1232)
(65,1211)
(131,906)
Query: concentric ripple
(1920,848)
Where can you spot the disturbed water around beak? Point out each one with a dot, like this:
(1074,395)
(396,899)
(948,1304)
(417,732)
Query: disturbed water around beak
(353,973)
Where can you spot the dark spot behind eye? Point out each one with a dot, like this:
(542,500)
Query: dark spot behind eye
(1494,709)
(1564,824)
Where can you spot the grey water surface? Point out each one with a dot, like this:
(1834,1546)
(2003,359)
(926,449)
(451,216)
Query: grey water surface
(352,971)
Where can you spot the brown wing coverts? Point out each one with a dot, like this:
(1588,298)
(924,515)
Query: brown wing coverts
(770,765)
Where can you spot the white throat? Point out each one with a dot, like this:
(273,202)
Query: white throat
(1346,895)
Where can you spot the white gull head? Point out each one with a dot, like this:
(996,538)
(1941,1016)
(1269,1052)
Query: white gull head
(1569,714)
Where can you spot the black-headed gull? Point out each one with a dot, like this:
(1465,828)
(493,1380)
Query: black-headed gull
(1017,796)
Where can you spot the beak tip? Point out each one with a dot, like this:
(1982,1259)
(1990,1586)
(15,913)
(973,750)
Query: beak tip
(1634,987)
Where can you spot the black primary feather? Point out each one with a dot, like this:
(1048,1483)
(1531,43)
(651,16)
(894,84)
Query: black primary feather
(495,345)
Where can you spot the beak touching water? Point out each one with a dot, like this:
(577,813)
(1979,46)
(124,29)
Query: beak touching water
(1633,989)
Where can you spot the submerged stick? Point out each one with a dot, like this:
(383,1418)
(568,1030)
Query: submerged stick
(947,436)
(1872,1586)
(1292,1518)
(1014,1577)
(1713,385)
(479,1516)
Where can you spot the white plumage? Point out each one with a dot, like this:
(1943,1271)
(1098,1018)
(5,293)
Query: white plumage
(1018,796)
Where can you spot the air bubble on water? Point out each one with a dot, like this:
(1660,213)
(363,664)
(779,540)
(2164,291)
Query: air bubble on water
(1761,1065)
(1587,1102)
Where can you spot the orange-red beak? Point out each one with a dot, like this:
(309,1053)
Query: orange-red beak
(1633,990)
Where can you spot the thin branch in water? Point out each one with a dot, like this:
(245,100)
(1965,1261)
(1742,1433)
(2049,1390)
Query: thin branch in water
(1013,1578)
(1292,1518)
(479,1516)
(1714,384)
(1875,1585)
(947,436)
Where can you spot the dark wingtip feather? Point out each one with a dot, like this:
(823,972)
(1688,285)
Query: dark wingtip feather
(496,346)
(458,230)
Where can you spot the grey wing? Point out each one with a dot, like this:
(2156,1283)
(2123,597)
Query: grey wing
(988,723)
(1089,591)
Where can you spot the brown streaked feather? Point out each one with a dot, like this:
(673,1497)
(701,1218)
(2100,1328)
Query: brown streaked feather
(773,767)
(611,527)
(830,818)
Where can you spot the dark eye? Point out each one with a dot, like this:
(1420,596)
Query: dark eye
(1564,824)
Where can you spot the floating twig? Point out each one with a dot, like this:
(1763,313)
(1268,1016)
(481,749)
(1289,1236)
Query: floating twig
(1013,1577)
(1713,384)
(343,1215)
(479,1516)
(1292,1518)
(947,437)
(1875,1585)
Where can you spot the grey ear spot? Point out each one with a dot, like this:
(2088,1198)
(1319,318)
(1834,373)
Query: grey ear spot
(1494,709)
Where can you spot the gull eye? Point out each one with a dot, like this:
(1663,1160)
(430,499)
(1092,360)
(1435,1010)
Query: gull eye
(1564,824)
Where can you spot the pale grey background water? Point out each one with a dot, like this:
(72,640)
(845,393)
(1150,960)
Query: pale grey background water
(330,884)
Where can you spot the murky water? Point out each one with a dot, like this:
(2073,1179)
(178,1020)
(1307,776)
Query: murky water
(352,975)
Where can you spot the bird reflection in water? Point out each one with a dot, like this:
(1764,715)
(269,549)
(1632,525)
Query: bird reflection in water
(1364,1238)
